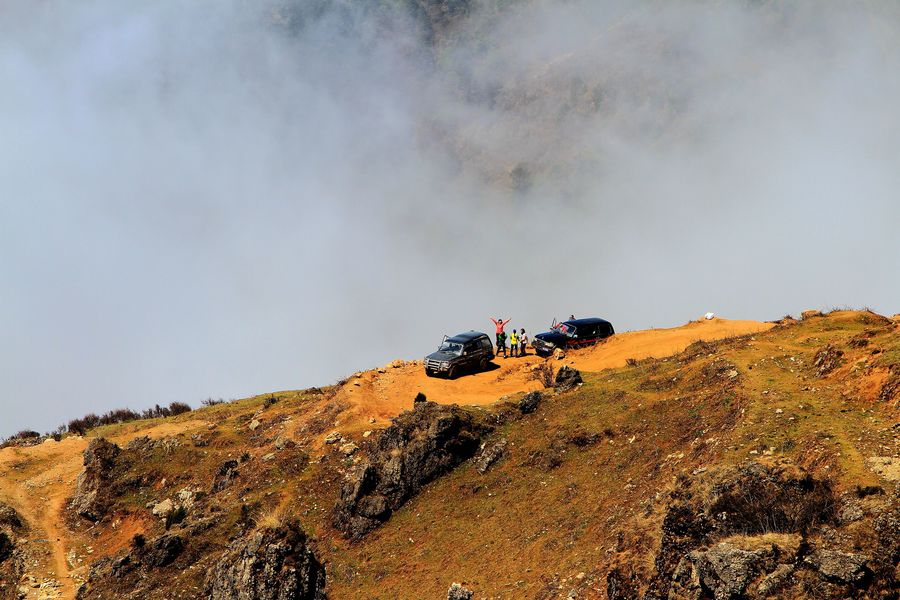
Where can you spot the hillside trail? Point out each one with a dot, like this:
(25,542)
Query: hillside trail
(37,481)
(378,395)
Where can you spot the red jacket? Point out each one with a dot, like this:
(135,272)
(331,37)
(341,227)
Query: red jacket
(500,324)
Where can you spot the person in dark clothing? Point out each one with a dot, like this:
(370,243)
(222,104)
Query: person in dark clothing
(501,344)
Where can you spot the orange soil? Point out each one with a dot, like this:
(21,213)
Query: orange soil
(383,393)
(38,480)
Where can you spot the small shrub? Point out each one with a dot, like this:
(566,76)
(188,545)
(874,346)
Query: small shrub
(270,401)
(179,408)
(138,541)
(544,374)
(212,402)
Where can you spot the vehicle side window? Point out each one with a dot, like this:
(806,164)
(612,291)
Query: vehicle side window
(472,347)
(588,331)
(486,344)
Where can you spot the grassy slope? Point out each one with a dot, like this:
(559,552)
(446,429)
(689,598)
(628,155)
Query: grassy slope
(525,528)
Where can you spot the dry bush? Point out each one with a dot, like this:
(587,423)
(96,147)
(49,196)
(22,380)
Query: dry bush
(544,374)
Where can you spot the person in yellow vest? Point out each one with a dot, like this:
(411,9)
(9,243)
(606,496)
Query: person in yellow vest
(514,343)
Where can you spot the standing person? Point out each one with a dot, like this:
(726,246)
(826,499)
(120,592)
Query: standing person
(523,342)
(514,343)
(501,344)
(500,323)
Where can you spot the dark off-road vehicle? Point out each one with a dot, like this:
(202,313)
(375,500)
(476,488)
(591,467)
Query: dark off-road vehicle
(572,334)
(470,351)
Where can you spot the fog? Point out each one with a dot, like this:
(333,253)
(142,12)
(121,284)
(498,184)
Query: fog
(217,199)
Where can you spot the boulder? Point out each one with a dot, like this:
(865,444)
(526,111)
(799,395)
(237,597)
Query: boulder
(727,570)
(530,402)
(92,494)
(458,592)
(333,438)
(838,566)
(163,509)
(489,456)
(809,314)
(567,378)
(420,445)
(162,551)
(274,563)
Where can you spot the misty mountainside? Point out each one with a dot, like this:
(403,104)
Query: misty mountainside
(760,463)
(220,178)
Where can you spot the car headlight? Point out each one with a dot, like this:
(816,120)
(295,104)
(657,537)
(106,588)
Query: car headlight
(444,364)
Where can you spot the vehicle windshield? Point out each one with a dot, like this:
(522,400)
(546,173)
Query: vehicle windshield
(565,329)
(451,347)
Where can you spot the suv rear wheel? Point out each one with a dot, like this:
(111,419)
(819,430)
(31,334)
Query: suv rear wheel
(483,365)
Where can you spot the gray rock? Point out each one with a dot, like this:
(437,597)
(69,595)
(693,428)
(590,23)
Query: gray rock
(724,569)
(421,445)
(458,592)
(772,582)
(841,567)
(489,456)
(162,551)
(272,564)
(333,438)
(163,509)
(530,402)
(282,442)
(567,378)
(91,499)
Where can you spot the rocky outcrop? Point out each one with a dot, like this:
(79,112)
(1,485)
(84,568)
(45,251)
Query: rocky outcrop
(11,559)
(137,564)
(419,446)
(272,564)
(566,379)
(92,495)
(724,570)
(760,531)
(841,567)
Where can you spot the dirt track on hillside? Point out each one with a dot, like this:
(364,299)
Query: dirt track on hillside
(37,481)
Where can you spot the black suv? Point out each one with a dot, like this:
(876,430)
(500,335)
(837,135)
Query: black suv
(464,352)
(572,334)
